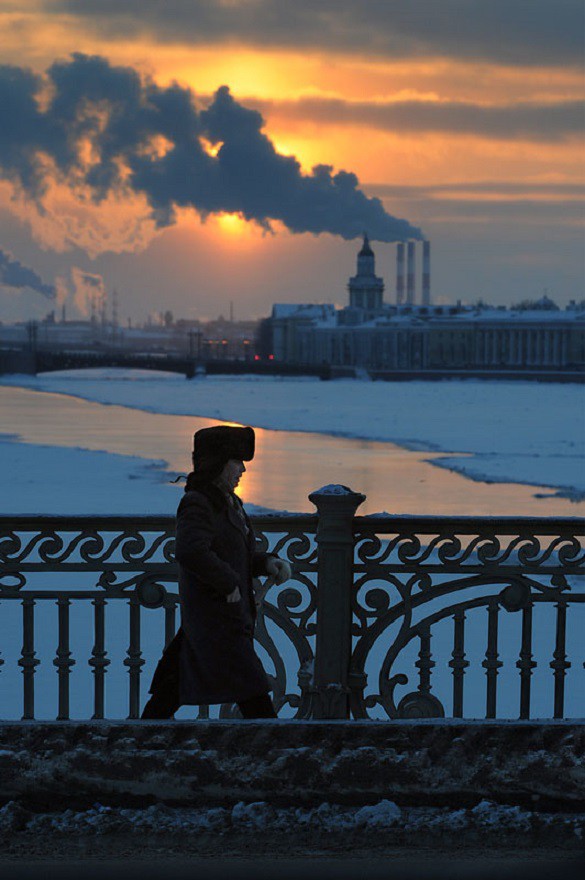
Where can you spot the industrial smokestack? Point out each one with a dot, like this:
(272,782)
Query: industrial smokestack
(400,273)
(426,276)
(410,274)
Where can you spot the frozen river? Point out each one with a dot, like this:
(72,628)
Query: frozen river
(51,463)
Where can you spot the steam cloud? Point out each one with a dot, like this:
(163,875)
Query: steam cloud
(105,129)
(87,288)
(92,280)
(14,274)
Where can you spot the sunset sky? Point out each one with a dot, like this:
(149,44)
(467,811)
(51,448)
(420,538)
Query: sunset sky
(189,153)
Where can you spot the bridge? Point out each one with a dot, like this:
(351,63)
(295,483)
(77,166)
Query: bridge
(47,360)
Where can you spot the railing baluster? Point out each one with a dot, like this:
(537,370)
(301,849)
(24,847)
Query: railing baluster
(560,664)
(526,664)
(491,663)
(134,660)
(335,578)
(98,660)
(63,660)
(28,662)
(1,660)
(170,612)
(458,664)
(425,663)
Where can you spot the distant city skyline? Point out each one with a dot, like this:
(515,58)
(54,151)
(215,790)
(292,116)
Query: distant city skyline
(197,154)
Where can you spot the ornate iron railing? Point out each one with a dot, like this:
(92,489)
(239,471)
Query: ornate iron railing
(446,570)
(374,602)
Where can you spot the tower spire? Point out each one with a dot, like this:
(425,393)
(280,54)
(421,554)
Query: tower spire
(365,288)
(366,250)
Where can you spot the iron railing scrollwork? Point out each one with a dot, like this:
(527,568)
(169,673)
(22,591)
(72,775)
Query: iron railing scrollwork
(443,569)
(101,560)
(385,616)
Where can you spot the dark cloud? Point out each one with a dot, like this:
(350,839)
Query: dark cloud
(14,274)
(526,32)
(489,187)
(523,203)
(536,121)
(525,213)
(154,141)
(500,202)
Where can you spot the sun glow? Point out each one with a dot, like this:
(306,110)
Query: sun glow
(210,149)
(233,224)
(233,231)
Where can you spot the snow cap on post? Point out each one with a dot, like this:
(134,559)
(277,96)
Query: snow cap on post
(334,489)
(335,504)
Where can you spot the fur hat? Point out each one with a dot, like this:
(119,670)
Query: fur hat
(222,443)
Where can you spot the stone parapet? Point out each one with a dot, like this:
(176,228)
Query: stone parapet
(60,765)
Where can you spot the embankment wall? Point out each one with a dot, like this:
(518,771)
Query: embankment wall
(57,765)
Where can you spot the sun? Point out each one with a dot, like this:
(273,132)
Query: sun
(234,231)
(233,224)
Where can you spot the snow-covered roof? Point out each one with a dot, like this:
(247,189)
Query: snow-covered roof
(538,316)
(319,311)
(328,322)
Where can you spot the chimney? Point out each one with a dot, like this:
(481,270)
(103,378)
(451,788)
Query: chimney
(410,274)
(426,276)
(400,273)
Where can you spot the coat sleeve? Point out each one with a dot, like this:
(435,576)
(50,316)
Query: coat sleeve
(193,546)
(259,561)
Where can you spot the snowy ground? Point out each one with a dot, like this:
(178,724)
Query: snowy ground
(520,432)
(260,816)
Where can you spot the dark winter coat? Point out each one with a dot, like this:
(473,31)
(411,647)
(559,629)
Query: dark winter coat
(216,552)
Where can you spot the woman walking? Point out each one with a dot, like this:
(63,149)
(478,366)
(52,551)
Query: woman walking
(212,659)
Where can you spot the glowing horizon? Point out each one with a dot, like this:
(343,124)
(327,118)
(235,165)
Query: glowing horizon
(408,126)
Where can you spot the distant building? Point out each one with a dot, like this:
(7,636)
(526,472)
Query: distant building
(288,325)
(220,339)
(366,289)
(374,335)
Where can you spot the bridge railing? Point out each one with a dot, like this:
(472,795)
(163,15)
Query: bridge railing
(384,617)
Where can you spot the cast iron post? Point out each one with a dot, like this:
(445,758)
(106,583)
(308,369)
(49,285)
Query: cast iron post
(336,507)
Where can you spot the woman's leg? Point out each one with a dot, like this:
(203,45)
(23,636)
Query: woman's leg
(161,705)
(257,707)
(165,701)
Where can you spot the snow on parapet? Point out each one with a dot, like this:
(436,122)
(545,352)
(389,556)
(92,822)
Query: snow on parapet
(334,489)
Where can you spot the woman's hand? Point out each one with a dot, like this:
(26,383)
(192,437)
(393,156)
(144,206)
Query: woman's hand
(279,569)
(234,596)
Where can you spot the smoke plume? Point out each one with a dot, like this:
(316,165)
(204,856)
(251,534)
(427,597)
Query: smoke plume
(88,292)
(104,130)
(14,274)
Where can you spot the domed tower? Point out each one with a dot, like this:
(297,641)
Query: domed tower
(365,288)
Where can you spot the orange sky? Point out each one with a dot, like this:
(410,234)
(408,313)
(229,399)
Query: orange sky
(374,115)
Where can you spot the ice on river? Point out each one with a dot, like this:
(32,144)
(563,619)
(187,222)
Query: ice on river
(517,432)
